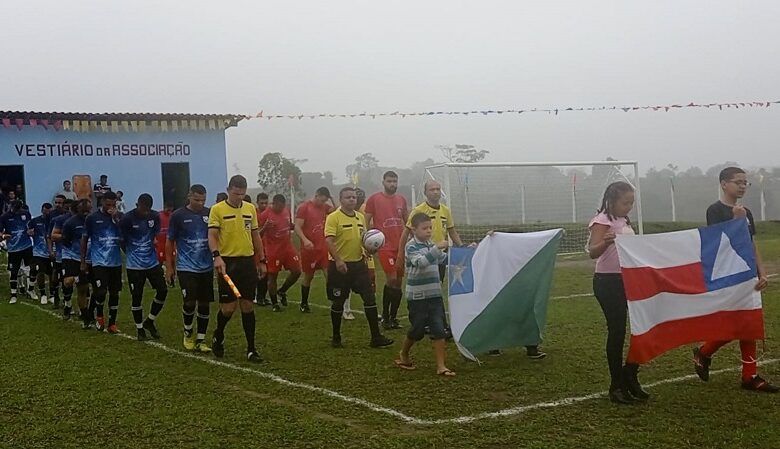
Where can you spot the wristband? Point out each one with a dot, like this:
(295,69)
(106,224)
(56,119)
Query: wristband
(215,254)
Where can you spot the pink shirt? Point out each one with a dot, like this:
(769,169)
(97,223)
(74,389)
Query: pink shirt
(609,262)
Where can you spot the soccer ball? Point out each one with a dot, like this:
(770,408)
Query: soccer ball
(373,240)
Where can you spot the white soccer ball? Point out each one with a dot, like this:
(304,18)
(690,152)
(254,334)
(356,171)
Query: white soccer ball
(373,240)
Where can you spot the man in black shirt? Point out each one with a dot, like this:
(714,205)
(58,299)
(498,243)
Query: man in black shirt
(734,184)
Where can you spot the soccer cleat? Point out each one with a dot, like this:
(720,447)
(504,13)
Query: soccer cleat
(44,300)
(13,300)
(112,329)
(619,396)
(395,324)
(34,296)
(87,325)
(387,325)
(759,384)
(276,308)
(66,314)
(55,304)
(149,326)
(53,300)
(253,357)
(283,298)
(189,341)
(218,347)
(100,323)
(348,316)
(381,341)
(701,364)
(335,342)
(305,308)
(200,346)
(141,334)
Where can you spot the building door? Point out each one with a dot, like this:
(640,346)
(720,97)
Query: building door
(175,183)
(12,176)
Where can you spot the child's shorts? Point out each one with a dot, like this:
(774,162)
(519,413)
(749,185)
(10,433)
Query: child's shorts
(426,312)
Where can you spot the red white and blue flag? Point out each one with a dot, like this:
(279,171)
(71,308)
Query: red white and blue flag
(690,286)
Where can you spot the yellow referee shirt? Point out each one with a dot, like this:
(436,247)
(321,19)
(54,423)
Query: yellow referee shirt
(347,232)
(441,218)
(235,226)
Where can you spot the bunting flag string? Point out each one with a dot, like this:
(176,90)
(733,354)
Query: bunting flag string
(487,112)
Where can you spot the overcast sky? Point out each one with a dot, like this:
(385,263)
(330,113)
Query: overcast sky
(364,56)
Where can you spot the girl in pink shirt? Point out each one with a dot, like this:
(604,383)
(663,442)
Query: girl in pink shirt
(612,220)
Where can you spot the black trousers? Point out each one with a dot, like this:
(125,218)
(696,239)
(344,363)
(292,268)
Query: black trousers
(609,291)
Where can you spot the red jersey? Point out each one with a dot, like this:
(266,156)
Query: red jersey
(313,217)
(388,212)
(165,220)
(276,230)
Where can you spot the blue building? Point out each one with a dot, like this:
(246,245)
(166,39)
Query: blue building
(160,154)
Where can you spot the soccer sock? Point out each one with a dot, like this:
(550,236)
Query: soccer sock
(113,307)
(13,283)
(395,303)
(262,289)
(188,315)
(749,361)
(305,294)
(273,298)
(138,310)
(373,319)
(335,321)
(248,321)
(84,315)
(157,304)
(54,291)
(67,294)
(222,321)
(289,282)
(203,321)
(387,299)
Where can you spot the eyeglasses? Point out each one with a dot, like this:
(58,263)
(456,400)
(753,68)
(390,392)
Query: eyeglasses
(741,183)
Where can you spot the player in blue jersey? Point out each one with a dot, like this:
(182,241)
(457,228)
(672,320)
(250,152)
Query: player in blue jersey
(13,228)
(138,228)
(188,243)
(56,272)
(41,264)
(55,254)
(102,241)
(69,235)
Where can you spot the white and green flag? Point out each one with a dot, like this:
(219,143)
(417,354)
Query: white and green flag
(499,290)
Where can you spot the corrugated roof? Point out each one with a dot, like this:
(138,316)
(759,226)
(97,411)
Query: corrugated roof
(227,119)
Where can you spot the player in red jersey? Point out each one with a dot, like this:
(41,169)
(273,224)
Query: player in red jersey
(261,203)
(388,212)
(310,228)
(275,226)
(159,240)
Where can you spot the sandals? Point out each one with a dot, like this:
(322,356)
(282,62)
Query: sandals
(409,366)
(446,373)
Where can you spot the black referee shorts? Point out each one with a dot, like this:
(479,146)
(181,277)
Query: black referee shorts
(109,278)
(356,279)
(196,286)
(243,273)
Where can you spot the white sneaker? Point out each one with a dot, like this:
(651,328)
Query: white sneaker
(44,301)
(33,295)
(348,316)
(13,300)
(51,299)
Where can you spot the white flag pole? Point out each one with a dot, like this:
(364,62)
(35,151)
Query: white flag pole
(671,192)
(522,203)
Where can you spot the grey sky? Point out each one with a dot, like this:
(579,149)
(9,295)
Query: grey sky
(354,56)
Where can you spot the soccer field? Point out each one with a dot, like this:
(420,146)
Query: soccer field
(67,388)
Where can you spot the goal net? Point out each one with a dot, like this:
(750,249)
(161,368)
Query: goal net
(524,197)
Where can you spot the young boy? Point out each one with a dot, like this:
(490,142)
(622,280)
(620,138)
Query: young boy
(423,292)
(734,184)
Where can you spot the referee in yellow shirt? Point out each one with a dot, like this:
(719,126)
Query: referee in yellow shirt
(347,270)
(234,239)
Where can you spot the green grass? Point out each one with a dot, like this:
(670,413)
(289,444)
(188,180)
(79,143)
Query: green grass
(66,388)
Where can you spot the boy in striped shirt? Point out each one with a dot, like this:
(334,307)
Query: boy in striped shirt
(423,292)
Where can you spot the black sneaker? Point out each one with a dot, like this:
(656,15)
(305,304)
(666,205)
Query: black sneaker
(283,298)
(66,313)
(536,354)
(632,383)
(253,357)
(276,308)
(494,352)
(87,325)
(387,325)
(701,364)
(759,384)
(381,341)
(55,305)
(266,302)
(218,347)
(305,308)
(141,335)
(149,325)
(335,342)
(619,396)
(395,324)
(262,302)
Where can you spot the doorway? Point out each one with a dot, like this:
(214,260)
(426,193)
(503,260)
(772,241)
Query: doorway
(12,176)
(175,183)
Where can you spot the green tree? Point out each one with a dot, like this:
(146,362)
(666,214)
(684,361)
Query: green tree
(275,172)
(462,153)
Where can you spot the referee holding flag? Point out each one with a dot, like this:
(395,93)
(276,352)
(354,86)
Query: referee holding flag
(234,239)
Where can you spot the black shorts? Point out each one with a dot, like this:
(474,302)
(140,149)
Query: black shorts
(137,279)
(42,264)
(243,273)
(16,258)
(57,270)
(109,278)
(196,286)
(72,269)
(356,279)
(426,312)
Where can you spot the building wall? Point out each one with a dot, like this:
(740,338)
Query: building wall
(132,160)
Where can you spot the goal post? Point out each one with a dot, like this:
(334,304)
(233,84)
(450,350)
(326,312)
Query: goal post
(530,196)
